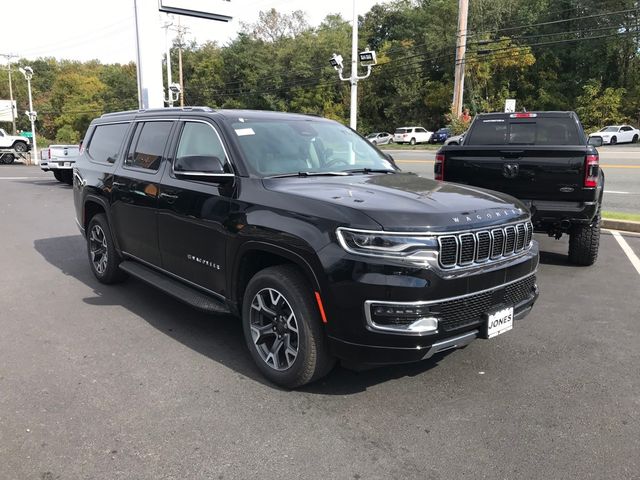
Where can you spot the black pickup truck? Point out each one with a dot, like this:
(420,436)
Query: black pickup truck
(305,231)
(545,160)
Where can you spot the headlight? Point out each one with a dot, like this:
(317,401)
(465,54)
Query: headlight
(413,248)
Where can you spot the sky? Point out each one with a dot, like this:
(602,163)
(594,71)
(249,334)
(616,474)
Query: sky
(105,30)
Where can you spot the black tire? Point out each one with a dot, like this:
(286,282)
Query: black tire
(584,241)
(374,142)
(614,140)
(58,175)
(67,176)
(107,272)
(412,141)
(390,141)
(271,326)
(635,139)
(20,147)
(7,158)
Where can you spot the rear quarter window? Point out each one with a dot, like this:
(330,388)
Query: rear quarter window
(106,141)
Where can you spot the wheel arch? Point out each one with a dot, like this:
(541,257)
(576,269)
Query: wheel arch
(254,256)
(92,206)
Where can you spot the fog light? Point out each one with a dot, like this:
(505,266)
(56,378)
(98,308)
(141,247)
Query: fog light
(424,325)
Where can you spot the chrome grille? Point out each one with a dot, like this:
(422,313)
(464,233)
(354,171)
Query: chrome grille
(467,248)
(510,240)
(464,249)
(448,251)
(484,246)
(521,233)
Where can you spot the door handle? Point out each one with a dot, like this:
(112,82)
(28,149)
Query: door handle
(169,195)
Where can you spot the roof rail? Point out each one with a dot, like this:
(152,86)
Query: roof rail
(160,110)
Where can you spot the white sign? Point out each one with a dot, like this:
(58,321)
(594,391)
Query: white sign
(509,105)
(6,110)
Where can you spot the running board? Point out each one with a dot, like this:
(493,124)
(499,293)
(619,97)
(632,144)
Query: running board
(175,288)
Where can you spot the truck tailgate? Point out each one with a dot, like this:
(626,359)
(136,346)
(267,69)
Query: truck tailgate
(526,172)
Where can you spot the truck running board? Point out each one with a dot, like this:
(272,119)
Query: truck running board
(175,288)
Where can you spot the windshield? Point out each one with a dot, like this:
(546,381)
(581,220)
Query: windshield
(609,129)
(284,146)
(443,130)
(372,135)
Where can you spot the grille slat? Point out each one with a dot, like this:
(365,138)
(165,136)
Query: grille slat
(466,311)
(483,246)
(464,249)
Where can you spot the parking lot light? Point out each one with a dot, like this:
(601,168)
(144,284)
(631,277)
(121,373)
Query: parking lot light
(28,75)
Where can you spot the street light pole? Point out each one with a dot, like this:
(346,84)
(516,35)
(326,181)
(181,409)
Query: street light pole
(367,59)
(353,118)
(28,75)
(168,48)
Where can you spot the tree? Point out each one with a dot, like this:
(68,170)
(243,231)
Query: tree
(598,106)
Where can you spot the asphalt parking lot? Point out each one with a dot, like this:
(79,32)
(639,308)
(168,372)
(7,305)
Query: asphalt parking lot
(120,382)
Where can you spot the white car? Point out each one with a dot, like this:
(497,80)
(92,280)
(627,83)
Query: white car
(19,144)
(617,134)
(380,138)
(412,135)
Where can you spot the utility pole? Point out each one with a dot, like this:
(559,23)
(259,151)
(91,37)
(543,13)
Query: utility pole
(461,47)
(13,110)
(167,43)
(28,75)
(181,31)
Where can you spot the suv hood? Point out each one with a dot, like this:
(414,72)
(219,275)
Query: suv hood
(407,202)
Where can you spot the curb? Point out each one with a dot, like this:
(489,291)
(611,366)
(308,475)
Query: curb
(625,225)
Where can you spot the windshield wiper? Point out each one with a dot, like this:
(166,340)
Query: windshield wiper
(311,174)
(370,170)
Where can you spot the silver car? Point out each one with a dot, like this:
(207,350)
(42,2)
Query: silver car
(380,138)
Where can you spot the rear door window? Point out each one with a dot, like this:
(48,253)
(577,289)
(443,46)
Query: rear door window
(147,148)
(106,142)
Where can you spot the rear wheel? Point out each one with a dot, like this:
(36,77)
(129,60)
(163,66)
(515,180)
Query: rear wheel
(67,176)
(58,175)
(635,139)
(103,257)
(584,241)
(7,158)
(614,140)
(413,141)
(282,327)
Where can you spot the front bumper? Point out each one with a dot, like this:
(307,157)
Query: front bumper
(459,300)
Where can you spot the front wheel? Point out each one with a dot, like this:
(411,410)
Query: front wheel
(20,147)
(103,257)
(635,139)
(282,327)
(584,241)
(614,140)
(413,141)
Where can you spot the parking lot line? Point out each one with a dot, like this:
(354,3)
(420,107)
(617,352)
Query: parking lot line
(20,178)
(635,261)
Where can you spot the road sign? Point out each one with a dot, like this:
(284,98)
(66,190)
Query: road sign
(509,105)
(219,10)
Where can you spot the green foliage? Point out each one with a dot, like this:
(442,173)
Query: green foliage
(281,63)
(598,106)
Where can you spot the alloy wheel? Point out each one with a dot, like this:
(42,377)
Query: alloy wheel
(98,249)
(274,329)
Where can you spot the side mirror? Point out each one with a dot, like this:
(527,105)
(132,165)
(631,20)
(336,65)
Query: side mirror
(201,167)
(595,141)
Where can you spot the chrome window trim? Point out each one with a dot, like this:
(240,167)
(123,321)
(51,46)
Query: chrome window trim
(224,149)
(421,303)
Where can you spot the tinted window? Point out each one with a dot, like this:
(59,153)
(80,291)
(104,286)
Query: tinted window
(276,147)
(148,144)
(402,130)
(106,141)
(421,130)
(529,131)
(200,140)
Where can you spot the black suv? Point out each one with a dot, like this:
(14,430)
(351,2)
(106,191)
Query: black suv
(304,230)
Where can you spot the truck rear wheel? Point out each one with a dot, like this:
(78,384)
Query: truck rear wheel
(58,175)
(282,327)
(67,176)
(584,241)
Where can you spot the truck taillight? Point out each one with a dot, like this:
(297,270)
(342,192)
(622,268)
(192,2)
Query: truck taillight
(591,168)
(438,167)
